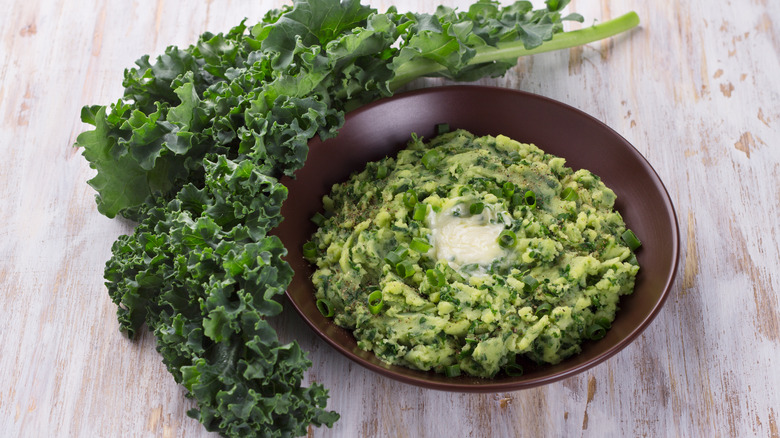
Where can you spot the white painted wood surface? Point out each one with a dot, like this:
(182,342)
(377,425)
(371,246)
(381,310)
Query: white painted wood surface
(696,89)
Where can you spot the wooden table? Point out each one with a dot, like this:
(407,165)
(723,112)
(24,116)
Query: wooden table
(696,89)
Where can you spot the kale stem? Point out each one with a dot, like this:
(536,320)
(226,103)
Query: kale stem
(515,49)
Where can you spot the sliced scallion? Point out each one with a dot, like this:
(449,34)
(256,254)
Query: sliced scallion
(318,219)
(517,199)
(530,198)
(442,128)
(543,309)
(325,308)
(393,257)
(476,208)
(375,302)
(569,194)
(507,239)
(410,198)
(513,370)
(452,370)
(631,240)
(595,332)
(530,283)
(509,189)
(420,210)
(381,171)
(309,250)
(419,245)
(405,269)
(604,322)
(435,277)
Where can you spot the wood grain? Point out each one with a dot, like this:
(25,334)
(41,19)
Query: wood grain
(695,89)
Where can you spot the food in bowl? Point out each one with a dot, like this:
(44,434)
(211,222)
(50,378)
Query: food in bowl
(463,253)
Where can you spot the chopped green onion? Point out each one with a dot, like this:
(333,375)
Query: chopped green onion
(435,277)
(507,239)
(375,302)
(543,309)
(381,171)
(420,210)
(410,198)
(452,370)
(318,219)
(442,128)
(513,370)
(530,283)
(517,199)
(405,269)
(604,322)
(431,159)
(569,194)
(309,250)
(476,208)
(394,257)
(420,245)
(509,189)
(325,308)
(530,198)
(595,332)
(631,240)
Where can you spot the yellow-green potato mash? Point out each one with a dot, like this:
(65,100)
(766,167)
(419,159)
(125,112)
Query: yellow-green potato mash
(462,254)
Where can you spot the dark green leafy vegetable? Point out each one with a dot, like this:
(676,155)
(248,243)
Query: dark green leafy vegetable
(193,152)
(202,274)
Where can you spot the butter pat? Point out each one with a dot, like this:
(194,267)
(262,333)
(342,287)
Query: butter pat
(465,240)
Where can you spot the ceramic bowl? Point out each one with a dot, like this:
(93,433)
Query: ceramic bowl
(384,127)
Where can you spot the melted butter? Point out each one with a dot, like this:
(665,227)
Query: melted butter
(465,240)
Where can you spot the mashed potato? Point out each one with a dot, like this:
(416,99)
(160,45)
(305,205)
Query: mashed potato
(466,253)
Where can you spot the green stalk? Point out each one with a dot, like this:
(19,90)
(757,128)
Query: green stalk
(515,49)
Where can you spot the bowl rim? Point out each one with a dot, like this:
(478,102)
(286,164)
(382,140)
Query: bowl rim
(499,385)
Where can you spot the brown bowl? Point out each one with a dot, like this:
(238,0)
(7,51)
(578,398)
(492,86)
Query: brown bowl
(384,127)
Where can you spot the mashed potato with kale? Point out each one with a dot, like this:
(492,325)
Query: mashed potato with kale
(465,253)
